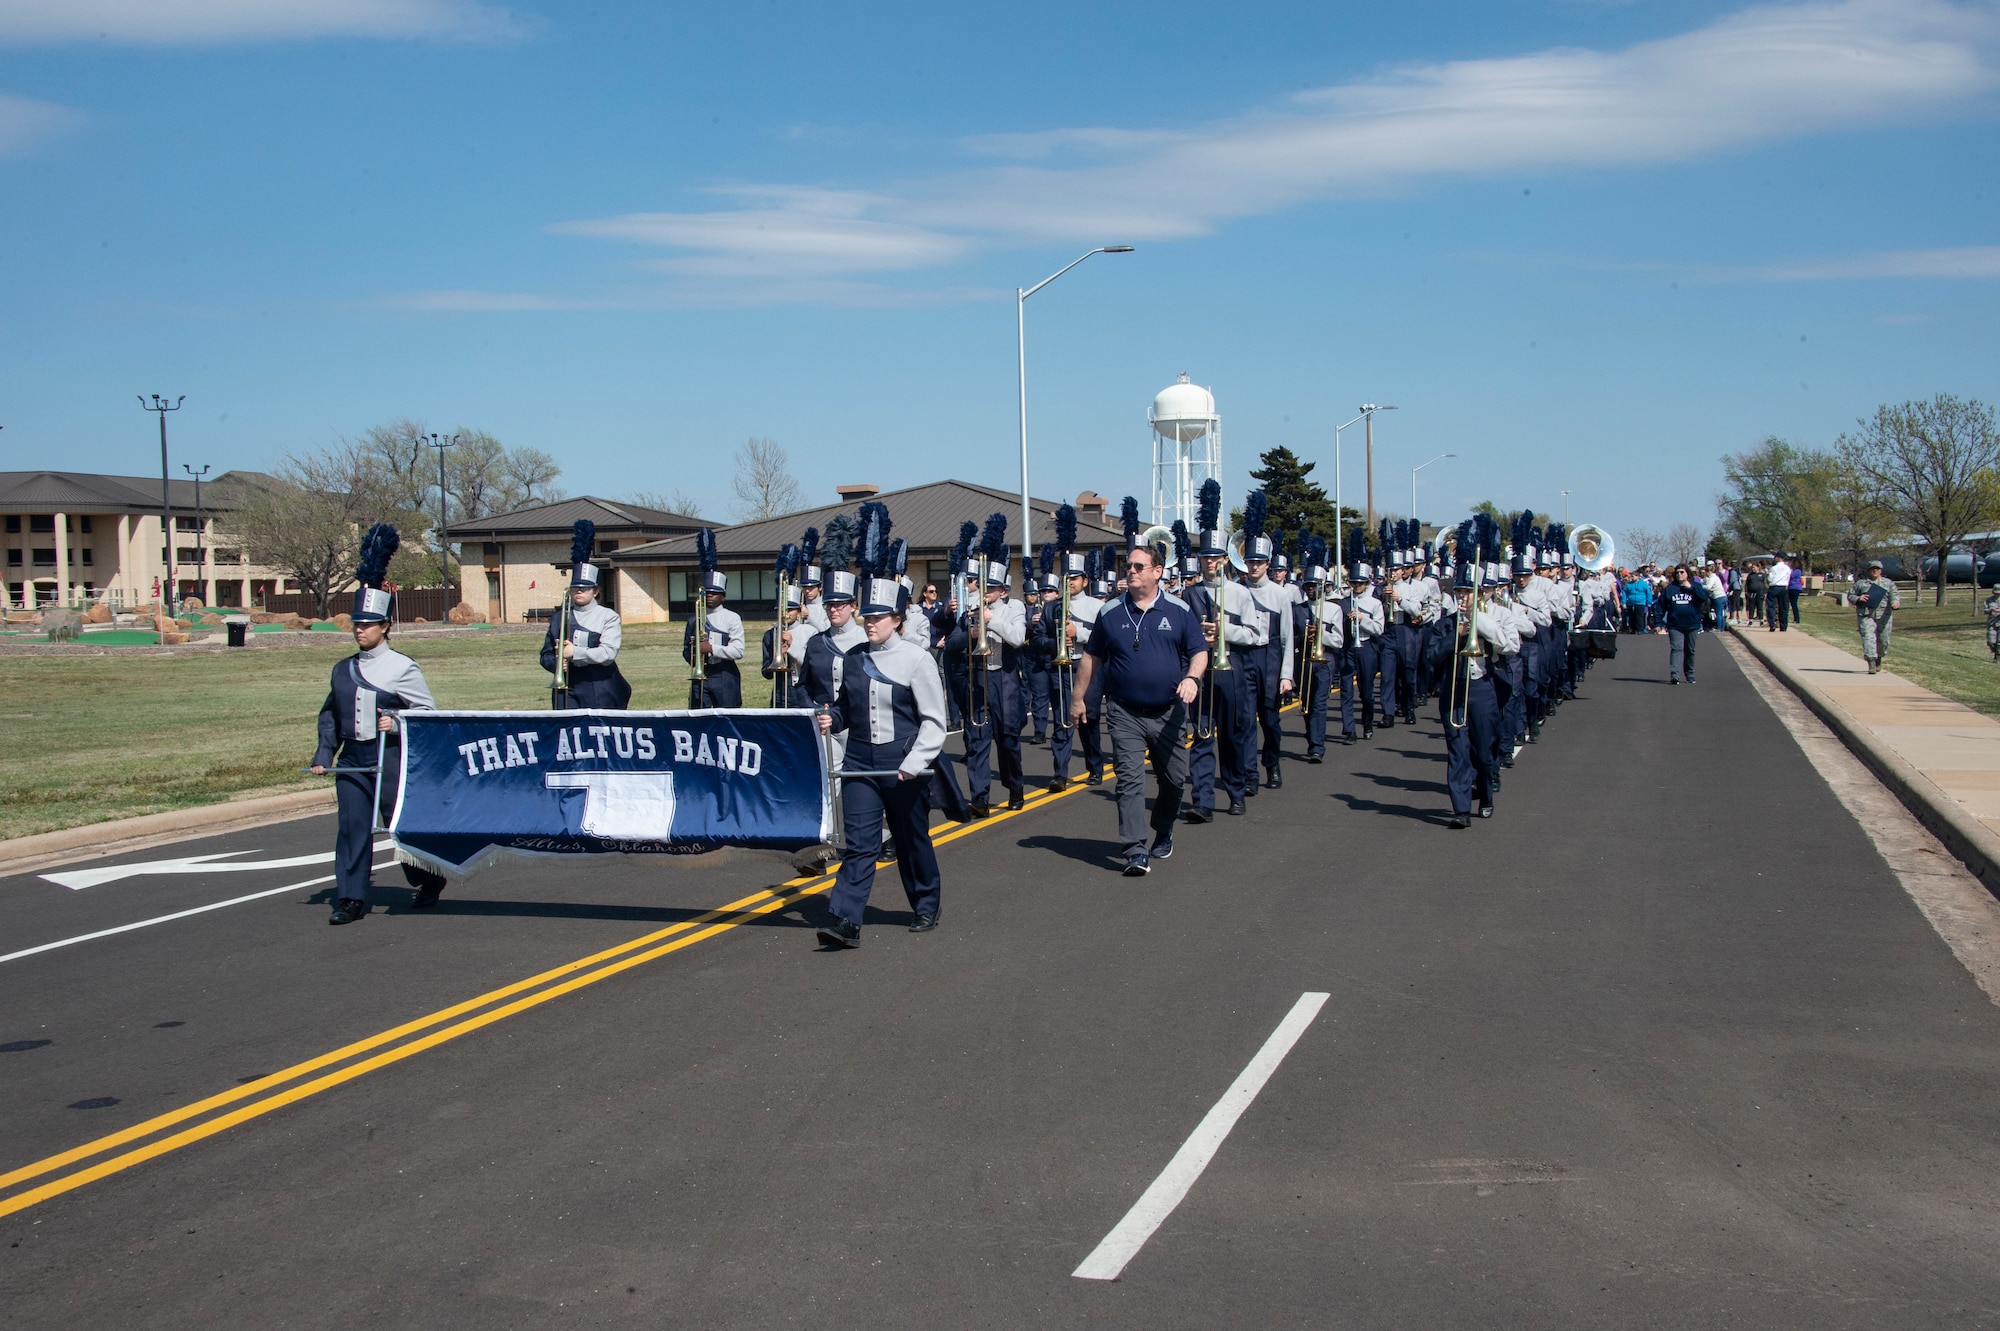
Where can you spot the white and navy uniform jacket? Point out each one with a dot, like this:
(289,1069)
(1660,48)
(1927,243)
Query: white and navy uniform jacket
(1009,628)
(1418,600)
(815,615)
(790,663)
(596,634)
(1332,622)
(724,686)
(1275,600)
(1497,638)
(365,686)
(822,667)
(1368,617)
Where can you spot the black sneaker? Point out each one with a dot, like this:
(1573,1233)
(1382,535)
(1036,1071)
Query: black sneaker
(1197,814)
(1137,865)
(924,922)
(1163,846)
(839,933)
(1486,809)
(1460,821)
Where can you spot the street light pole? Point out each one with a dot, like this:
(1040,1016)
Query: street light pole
(1565,495)
(200,521)
(440,443)
(1413,486)
(1368,410)
(167,591)
(1338,556)
(1021,348)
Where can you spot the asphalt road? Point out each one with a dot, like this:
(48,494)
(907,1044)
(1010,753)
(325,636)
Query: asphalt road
(1663,1044)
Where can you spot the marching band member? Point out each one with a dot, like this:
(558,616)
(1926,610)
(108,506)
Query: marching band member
(1038,659)
(1221,754)
(1369,619)
(993,714)
(1469,706)
(586,636)
(1078,570)
(1413,612)
(720,642)
(811,581)
(1321,614)
(1268,675)
(368,692)
(784,652)
(891,704)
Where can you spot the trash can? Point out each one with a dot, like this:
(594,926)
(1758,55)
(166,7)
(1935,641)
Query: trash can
(239,632)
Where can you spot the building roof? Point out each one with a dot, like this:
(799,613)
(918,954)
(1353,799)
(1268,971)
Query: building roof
(614,518)
(927,516)
(88,492)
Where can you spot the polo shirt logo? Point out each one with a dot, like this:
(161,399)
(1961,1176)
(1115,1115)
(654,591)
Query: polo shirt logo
(1164,627)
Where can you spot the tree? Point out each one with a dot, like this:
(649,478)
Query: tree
(1774,499)
(309,522)
(1641,546)
(764,484)
(1935,465)
(1862,522)
(680,501)
(1295,499)
(1682,543)
(529,470)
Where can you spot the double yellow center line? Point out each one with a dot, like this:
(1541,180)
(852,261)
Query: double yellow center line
(205,1118)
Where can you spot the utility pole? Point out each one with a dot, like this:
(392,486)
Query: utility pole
(200,522)
(1368,410)
(167,589)
(440,443)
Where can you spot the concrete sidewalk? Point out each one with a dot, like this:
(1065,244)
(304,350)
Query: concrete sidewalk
(1941,757)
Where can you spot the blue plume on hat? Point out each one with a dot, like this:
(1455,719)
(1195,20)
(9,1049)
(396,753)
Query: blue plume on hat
(378,547)
(836,544)
(1208,516)
(1128,519)
(1090,564)
(1388,537)
(583,537)
(1357,546)
(704,549)
(871,544)
(1066,528)
(788,560)
(1558,536)
(962,552)
(899,557)
(1183,543)
(1316,550)
(1046,558)
(993,540)
(1254,510)
(809,547)
(1485,536)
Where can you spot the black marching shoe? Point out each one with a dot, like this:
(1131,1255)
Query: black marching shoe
(427,896)
(1486,809)
(1368,733)
(1238,807)
(347,910)
(887,855)
(1197,814)
(1057,786)
(1388,723)
(1315,758)
(1460,821)
(925,922)
(1094,779)
(839,933)
(1017,800)
(981,809)
(1272,780)
(1349,739)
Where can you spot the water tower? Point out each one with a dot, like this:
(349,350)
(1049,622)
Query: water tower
(1187,449)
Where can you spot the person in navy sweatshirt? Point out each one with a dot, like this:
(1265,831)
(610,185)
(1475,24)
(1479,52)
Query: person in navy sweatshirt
(1681,607)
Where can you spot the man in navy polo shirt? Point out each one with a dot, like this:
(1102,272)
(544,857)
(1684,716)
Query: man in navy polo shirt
(1152,654)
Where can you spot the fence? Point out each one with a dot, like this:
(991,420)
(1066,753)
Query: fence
(428,603)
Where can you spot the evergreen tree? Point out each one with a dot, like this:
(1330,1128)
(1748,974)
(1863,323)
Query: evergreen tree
(1296,500)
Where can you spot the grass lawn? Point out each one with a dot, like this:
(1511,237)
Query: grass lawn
(1942,649)
(114,736)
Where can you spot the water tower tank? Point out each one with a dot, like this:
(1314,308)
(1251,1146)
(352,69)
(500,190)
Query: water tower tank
(1183,412)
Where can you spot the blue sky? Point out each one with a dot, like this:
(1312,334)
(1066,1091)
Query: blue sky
(1584,246)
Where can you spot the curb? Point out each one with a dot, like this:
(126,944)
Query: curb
(1963,835)
(120,835)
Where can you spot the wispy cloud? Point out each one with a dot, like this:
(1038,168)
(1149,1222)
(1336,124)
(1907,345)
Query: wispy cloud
(25,123)
(697,294)
(1761,76)
(207,22)
(1967,261)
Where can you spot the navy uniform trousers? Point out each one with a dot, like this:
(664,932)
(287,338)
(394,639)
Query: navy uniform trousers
(1316,680)
(867,802)
(1039,678)
(1511,689)
(1260,667)
(1224,757)
(1368,664)
(1469,749)
(722,688)
(1409,668)
(1064,735)
(1002,730)
(357,797)
(1388,666)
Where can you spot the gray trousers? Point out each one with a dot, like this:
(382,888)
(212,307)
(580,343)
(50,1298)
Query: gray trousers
(1135,737)
(1874,638)
(1680,653)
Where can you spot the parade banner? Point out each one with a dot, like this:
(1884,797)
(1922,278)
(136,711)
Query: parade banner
(476,784)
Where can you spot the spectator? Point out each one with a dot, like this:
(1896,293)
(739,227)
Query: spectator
(1777,597)
(1638,597)
(1992,608)
(1793,587)
(1718,599)
(1754,583)
(1682,605)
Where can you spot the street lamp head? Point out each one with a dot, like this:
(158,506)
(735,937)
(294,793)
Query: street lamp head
(1118,249)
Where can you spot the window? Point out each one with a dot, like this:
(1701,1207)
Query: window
(606,547)
(44,556)
(189,554)
(84,523)
(43,522)
(13,524)
(187,524)
(13,559)
(87,553)
(227,556)
(492,548)
(292,586)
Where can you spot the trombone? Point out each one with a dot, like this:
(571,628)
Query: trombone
(697,639)
(978,652)
(781,683)
(1458,688)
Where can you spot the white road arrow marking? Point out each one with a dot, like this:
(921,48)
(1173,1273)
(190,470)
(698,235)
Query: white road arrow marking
(78,879)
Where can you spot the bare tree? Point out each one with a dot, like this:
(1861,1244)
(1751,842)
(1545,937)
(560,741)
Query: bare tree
(680,501)
(1935,465)
(1642,546)
(309,522)
(764,484)
(532,474)
(1683,543)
